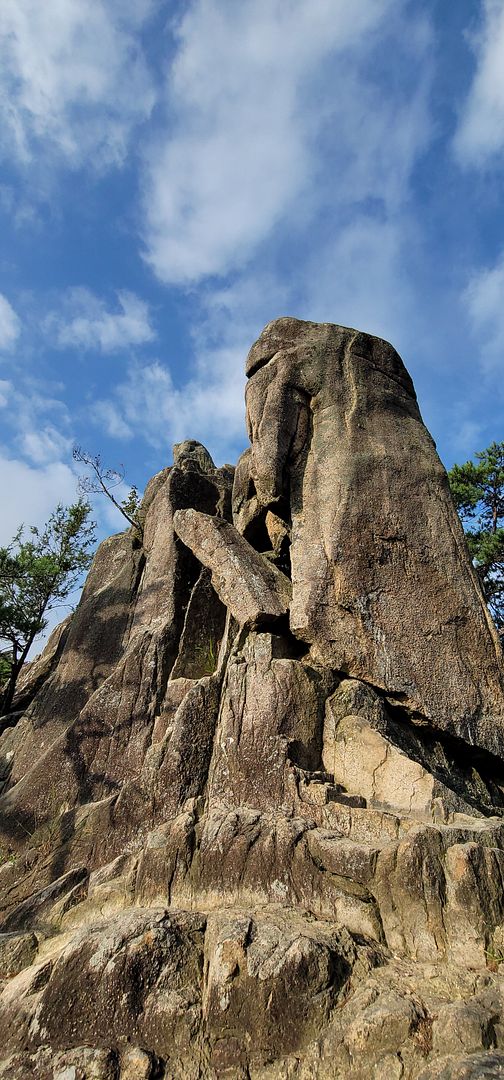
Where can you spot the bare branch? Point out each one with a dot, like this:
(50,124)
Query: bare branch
(103,480)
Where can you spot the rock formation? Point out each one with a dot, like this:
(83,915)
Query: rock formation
(252,809)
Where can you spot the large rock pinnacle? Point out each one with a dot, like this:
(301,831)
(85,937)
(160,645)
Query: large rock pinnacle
(252,809)
(382,583)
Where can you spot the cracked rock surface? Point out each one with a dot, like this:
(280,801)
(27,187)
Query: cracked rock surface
(252,794)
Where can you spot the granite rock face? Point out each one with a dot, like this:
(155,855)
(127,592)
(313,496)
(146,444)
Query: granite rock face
(252,588)
(382,584)
(252,808)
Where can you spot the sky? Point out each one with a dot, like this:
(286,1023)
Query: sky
(174,175)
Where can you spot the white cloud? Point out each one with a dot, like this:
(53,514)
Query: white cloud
(72,74)
(355,276)
(44,444)
(209,407)
(37,424)
(466,436)
(480,133)
(30,494)
(357,279)
(107,416)
(287,158)
(246,115)
(483,299)
(85,322)
(10,326)
(5,392)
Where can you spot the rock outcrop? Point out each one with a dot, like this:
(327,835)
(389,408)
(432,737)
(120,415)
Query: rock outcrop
(252,816)
(382,584)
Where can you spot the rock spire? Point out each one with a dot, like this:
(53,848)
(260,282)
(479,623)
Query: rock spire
(252,815)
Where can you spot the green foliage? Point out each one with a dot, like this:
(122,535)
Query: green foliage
(130,506)
(7,856)
(5,666)
(478,491)
(36,575)
(102,481)
(210,660)
(496,957)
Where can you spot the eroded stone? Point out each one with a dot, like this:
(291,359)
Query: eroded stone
(239,852)
(252,588)
(382,583)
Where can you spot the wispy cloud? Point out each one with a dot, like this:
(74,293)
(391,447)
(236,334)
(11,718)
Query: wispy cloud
(85,322)
(209,404)
(36,460)
(208,407)
(45,444)
(246,118)
(483,299)
(467,435)
(73,76)
(39,425)
(10,325)
(33,492)
(5,392)
(107,416)
(357,278)
(282,138)
(480,134)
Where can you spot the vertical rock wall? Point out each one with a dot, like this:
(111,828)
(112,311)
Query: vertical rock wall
(382,584)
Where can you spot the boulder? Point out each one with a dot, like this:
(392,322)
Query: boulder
(251,587)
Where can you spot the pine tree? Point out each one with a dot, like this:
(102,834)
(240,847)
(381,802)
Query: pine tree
(478,491)
(36,575)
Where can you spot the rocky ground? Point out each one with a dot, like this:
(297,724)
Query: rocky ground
(253,791)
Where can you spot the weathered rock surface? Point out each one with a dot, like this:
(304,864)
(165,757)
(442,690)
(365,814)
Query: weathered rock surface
(35,673)
(369,748)
(253,829)
(91,723)
(253,589)
(382,583)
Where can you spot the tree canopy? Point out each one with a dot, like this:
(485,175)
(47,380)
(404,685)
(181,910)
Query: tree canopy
(36,575)
(478,491)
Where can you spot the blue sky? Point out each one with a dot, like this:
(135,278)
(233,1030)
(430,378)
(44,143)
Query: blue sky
(175,175)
